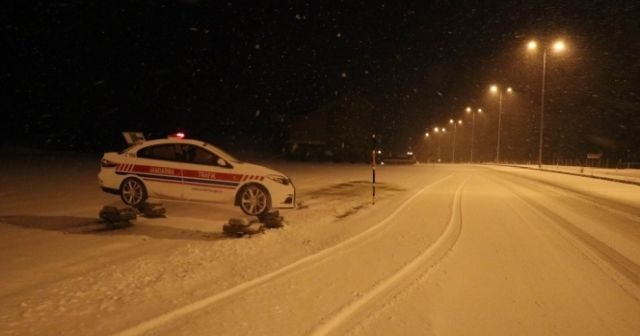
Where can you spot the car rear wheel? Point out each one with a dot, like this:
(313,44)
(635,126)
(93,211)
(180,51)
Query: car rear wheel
(133,192)
(255,200)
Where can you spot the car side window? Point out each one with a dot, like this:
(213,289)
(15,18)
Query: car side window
(159,152)
(202,156)
(197,155)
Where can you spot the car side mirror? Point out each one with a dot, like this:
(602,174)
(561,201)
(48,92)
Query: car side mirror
(222,163)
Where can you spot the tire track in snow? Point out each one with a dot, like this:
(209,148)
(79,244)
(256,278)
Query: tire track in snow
(621,269)
(429,257)
(622,209)
(290,268)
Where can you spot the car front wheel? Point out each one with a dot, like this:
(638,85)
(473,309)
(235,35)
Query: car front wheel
(133,192)
(255,200)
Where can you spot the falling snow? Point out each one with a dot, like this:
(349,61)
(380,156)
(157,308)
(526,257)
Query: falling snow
(188,61)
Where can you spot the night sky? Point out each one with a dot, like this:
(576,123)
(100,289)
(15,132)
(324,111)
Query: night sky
(238,74)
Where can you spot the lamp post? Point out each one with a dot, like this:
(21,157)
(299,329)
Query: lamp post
(496,90)
(557,47)
(426,137)
(471,111)
(455,130)
(439,131)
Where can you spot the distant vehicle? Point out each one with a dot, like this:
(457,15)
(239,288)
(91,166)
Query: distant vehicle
(406,158)
(192,170)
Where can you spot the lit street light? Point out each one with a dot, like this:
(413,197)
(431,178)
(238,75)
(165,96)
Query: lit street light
(439,131)
(557,47)
(428,147)
(473,126)
(455,130)
(496,90)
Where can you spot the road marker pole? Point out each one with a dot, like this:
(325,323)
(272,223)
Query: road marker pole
(373,169)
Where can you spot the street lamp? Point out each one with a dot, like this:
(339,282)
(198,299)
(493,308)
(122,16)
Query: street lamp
(428,147)
(496,90)
(455,130)
(471,111)
(439,131)
(557,47)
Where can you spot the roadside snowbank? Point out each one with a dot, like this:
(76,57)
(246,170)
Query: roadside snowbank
(620,175)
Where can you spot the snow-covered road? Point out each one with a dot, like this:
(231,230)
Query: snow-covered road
(446,250)
(531,259)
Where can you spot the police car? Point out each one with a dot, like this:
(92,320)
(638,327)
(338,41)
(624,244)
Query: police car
(183,169)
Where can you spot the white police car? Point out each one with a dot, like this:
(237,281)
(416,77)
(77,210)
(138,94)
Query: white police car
(192,170)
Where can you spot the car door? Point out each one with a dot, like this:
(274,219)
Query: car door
(159,166)
(207,177)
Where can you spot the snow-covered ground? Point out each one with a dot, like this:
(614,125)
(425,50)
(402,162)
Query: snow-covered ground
(446,250)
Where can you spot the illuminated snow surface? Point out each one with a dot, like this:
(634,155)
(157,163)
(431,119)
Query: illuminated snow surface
(446,250)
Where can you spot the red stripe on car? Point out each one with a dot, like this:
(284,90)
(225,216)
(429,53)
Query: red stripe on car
(162,180)
(209,185)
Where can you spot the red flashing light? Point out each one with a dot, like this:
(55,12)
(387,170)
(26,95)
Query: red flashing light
(179,135)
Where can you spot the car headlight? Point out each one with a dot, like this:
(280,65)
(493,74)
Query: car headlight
(104,163)
(279,178)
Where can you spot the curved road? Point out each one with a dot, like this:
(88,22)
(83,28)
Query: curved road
(480,251)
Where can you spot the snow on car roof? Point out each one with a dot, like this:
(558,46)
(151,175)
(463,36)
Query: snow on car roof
(167,141)
(222,153)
